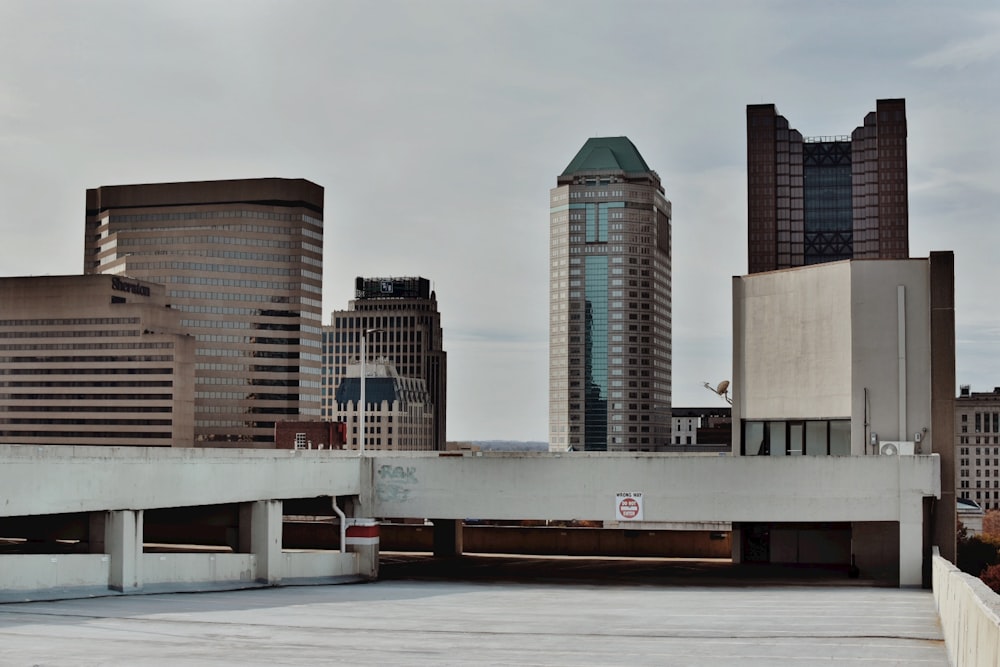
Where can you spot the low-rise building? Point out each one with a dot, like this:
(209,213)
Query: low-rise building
(93,360)
(977,443)
(399,414)
(701,430)
(309,435)
(851,358)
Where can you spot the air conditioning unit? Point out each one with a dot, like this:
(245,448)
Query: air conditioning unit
(897,448)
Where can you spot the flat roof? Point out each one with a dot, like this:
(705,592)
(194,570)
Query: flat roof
(490,622)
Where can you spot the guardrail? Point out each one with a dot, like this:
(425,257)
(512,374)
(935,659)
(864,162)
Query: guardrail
(970,616)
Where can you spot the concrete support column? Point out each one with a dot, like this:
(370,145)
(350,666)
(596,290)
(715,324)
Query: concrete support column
(941,437)
(911,542)
(447,537)
(363,540)
(96,528)
(265,539)
(123,542)
(736,544)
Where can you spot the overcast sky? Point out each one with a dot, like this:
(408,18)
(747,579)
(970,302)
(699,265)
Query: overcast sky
(438,128)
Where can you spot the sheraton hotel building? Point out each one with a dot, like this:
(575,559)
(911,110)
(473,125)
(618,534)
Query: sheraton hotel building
(197,320)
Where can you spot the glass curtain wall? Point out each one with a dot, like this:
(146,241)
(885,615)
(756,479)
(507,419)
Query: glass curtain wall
(596,350)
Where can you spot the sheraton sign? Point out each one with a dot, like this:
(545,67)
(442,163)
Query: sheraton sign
(132,288)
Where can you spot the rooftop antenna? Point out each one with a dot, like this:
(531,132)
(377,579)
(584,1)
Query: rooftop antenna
(722,389)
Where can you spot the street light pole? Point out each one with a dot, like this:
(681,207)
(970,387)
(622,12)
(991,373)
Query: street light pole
(364,381)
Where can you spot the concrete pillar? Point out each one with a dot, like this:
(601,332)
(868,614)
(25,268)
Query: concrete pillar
(447,537)
(265,539)
(911,542)
(942,428)
(736,544)
(123,542)
(363,539)
(96,527)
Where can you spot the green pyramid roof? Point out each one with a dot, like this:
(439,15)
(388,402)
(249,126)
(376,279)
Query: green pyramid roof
(607,154)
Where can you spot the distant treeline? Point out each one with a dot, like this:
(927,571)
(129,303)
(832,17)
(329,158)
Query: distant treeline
(511,446)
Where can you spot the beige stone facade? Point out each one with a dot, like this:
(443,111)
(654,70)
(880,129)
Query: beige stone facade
(405,312)
(399,415)
(977,446)
(93,360)
(242,262)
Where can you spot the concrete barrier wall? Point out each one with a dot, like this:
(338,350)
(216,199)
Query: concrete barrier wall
(504,486)
(970,616)
(26,572)
(96,479)
(198,568)
(318,564)
(223,568)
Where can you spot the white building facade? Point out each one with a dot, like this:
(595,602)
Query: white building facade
(850,358)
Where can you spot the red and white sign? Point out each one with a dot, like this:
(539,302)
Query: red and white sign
(628,506)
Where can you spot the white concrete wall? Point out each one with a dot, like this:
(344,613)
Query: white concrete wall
(317,565)
(674,488)
(794,343)
(808,343)
(25,572)
(58,480)
(970,616)
(875,353)
(189,568)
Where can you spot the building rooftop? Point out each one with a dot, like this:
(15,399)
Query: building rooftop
(487,622)
(607,154)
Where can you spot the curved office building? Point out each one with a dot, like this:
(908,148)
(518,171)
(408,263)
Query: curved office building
(242,261)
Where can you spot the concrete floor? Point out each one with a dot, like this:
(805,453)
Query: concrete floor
(485,622)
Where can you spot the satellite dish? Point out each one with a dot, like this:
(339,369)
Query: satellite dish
(722,389)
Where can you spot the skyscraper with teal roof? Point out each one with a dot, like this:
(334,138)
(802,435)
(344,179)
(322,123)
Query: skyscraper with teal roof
(609,303)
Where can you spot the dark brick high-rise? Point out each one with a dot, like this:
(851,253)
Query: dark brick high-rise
(821,199)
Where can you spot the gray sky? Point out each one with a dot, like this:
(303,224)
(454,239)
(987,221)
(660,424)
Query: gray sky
(438,128)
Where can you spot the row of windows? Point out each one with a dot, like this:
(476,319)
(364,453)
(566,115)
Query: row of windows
(227,282)
(795,438)
(208,240)
(88,422)
(981,450)
(209,215)
(225,310)
(11,347)
(68,383)
(70,334)
(80,406)
(216,324)
(130,396)
(226,254)
(77,435)
(241,229)
(233,296)
(245,396)
(69,322)
(132,370)
(220,268)
(248,381)
(87,359)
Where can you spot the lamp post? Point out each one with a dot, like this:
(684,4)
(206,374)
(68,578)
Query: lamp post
(364,380)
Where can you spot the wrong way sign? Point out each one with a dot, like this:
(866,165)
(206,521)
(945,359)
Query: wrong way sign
(628,506)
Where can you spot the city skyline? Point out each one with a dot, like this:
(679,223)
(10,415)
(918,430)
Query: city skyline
(435,130)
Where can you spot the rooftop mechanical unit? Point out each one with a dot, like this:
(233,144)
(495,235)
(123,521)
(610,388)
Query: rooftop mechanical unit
(897,448)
